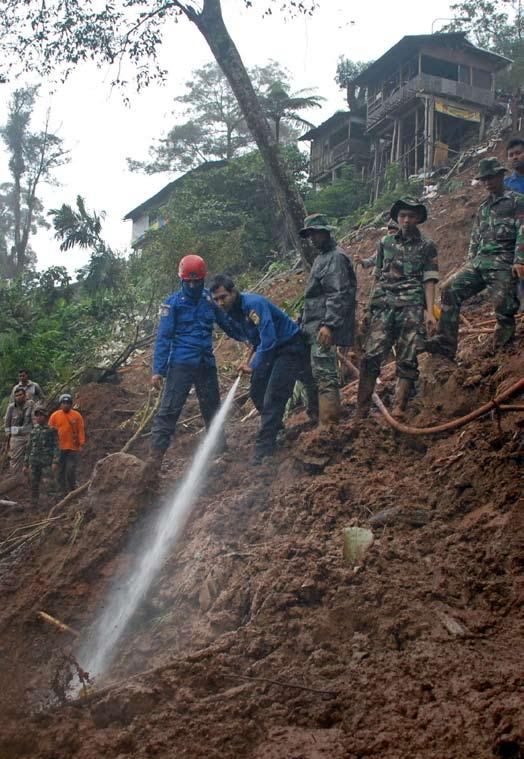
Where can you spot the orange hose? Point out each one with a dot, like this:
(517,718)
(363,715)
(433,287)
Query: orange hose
(517,387)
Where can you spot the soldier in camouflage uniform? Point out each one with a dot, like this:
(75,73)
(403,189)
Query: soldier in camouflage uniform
(401,304)
(42,453)
(495,261)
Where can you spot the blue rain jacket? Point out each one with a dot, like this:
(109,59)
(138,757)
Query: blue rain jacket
(185,331)
(261,323)
(515,182)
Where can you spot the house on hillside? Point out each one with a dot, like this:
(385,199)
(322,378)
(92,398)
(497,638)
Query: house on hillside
(152,213)
(337,142)
(427,97)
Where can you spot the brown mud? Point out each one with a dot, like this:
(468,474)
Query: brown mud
(258,640)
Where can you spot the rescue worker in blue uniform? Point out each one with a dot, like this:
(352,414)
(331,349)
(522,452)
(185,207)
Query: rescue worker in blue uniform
(280,356)
(184,355)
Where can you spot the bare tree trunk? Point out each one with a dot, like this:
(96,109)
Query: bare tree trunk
(211,25)
(18,257)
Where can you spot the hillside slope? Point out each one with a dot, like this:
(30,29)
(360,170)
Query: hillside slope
(258,639)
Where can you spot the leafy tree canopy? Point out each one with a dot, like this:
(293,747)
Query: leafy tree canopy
(61,35)
(42,37)
(227,213)
(496,25)
(215,128)
(33,157)
(342,197)
(284,108)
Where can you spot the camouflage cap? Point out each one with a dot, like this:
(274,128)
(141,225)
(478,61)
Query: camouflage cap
(410,203)
(41,410)
(490,167)
(316,222)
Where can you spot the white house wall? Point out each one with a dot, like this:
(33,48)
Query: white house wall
(140,226)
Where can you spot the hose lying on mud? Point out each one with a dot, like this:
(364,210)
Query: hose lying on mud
(514,389)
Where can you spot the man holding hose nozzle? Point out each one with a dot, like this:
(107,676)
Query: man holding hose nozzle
(400,306)
(184,356)
(280,356)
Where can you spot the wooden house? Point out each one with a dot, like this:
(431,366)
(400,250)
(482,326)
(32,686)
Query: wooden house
(427,97)
(337,142)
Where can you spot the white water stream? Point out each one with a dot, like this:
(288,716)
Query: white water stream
(125,597)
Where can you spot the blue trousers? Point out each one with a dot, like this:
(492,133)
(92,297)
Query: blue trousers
(272,386)
(179,381)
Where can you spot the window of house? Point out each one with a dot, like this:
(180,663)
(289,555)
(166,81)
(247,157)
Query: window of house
(482,79)
(464,74)
(156,220)
(438,67)
(339,136)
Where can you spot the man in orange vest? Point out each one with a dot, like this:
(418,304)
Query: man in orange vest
(71,437)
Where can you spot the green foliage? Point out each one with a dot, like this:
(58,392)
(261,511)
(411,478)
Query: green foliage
(41,327)
(33,156)
(347,71)
(215,128)
(65,34)
(83,228)
(346,194)
(394,187)
(283,108)
(227,214)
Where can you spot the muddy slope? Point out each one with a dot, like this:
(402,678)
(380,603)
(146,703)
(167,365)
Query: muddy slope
(258,639)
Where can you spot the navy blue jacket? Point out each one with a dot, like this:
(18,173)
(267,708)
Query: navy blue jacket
(258,321)
(185,331)
(515,182)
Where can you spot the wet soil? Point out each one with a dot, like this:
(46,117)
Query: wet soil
(258,639)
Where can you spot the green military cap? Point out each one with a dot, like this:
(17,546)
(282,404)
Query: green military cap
(489,167)
(316,222)
(41,410)
(411,204)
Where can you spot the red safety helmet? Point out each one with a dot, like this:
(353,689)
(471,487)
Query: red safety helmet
(192,267)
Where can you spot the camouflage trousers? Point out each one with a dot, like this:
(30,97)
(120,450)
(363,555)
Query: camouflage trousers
(37,473)
(401,327)
(324,367)
(502,288)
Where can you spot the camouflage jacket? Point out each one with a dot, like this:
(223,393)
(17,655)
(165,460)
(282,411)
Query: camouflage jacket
(401,269)
(497,237)
(42,449)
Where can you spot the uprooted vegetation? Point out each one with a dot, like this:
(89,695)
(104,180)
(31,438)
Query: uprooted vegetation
(259,639)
